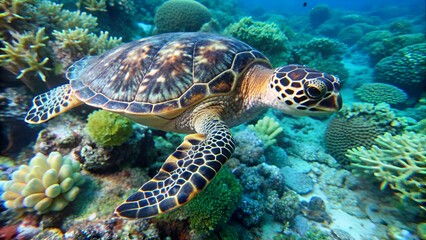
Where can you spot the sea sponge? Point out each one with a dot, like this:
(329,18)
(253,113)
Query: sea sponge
(359,125)
(214,205)
(398,161)
(108,128)
(263,36)
(181,16)
(46,184)
(406,69)
(380,92)
(267,129)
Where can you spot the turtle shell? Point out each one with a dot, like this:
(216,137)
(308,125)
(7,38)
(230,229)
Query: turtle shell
(163,73)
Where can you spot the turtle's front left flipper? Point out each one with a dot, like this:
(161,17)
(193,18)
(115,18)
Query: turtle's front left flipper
(185,173)
(52,103)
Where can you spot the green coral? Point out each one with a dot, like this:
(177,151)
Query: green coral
(46,184)
(380,92)
(181,16)
(267,129)
(108,128)
(264,36)
(214,206)
(406,68)
(397,161)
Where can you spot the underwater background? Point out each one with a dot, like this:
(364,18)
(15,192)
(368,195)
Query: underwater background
(357,174)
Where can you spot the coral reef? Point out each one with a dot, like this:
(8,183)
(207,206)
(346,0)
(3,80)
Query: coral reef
(406,69)
(380,92)
(29,46)
(263,36)
(108,128)
(181,16)
(359,125)
(267,129)
(319,15)
(397,161)
(47,184)
(214,206)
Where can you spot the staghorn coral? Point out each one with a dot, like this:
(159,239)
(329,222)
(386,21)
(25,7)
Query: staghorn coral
(46,184)
(397,161)
(264,36)
(24,55)
(406,69)
(30,51)
(73,44)
(380,92)
(108,128)
(359,125)
(267,129)
(181,15)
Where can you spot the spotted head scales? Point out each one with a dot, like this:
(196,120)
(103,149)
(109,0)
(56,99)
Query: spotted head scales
(196,83)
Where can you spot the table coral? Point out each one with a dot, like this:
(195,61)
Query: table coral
(48,183)
(398,161)
(264,36)
(380,92)
(181,15)
(267,129)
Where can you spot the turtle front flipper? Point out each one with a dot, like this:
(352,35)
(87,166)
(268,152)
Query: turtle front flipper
(52,103)
(185,173)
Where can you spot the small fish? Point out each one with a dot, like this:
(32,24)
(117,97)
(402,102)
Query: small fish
(305,4)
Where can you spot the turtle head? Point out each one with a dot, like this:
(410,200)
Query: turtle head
(300,90)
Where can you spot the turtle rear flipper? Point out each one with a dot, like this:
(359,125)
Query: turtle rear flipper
(185,173)
(52,103)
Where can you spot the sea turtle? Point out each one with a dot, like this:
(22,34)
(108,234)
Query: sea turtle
(197,83)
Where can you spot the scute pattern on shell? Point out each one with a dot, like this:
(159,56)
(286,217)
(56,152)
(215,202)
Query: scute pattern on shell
(162,73)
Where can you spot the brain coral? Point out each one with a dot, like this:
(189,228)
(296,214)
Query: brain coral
(406,68)
(181,16)
(46,184)
(398,161)
(264,36)
(380,92)
(358,125)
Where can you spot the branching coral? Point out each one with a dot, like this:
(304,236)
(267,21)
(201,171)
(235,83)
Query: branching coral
(108,128)
(24,54)
(380,92)
(46,184)
(264,36)
(398,161)
(267,129)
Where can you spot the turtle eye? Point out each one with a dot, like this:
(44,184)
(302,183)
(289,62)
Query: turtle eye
(315,89)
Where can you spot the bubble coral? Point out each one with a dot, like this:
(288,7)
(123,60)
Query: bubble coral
(264,36)
(108,128)
(398,161)
(380,92)
(46,184)
(181,15)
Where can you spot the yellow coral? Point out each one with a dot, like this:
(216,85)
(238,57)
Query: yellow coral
(267,129)
(398,161)
(46,184)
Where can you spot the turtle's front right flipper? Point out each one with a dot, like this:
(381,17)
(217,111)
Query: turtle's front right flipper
(52,103)
(185,173)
